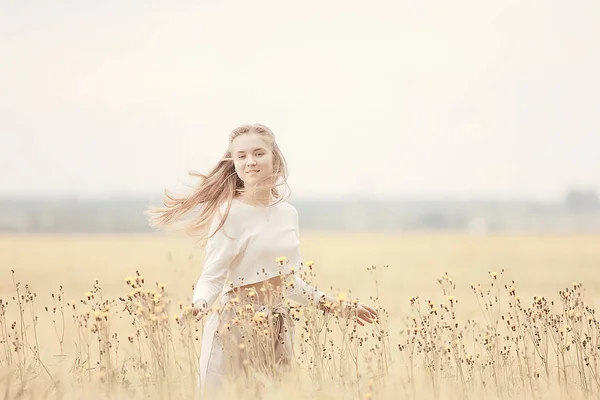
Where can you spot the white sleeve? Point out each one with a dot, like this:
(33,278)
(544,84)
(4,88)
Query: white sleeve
(219,253)
(300,291)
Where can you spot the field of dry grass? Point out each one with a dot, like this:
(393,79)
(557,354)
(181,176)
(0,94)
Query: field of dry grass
(518,334)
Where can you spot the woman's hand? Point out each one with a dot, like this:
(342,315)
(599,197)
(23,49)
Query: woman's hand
(199,309)
(363,314)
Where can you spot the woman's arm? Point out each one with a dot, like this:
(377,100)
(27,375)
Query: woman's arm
(298,290)
(301,292)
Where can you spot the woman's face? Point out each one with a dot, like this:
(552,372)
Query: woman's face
(252,157)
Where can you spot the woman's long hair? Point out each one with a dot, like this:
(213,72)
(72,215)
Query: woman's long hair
(218,187)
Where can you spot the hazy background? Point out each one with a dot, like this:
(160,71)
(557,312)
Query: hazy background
(456,103)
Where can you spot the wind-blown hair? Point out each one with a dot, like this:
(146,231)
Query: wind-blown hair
(220,186)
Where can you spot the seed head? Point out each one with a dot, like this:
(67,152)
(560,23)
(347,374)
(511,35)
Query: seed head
(259,317)
(281,260)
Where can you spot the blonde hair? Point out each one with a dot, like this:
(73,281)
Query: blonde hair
(218,187)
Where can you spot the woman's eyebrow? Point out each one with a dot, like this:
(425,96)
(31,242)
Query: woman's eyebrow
(243,151)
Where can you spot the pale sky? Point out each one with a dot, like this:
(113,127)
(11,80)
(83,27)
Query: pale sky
(403,98)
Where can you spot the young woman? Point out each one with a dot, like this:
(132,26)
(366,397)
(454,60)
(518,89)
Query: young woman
(252,258)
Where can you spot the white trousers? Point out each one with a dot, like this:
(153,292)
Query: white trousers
(216,362)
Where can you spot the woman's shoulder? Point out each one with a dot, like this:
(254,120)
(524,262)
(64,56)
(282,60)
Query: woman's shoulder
(286,205)
(288,212)
(232,210)
(226,213)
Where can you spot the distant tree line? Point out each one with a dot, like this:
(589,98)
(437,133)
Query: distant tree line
(578,212)
(582,201)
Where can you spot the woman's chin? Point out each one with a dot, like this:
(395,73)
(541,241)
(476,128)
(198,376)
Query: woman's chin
(255,179)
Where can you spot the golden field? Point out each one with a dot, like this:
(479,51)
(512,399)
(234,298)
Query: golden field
(455,347)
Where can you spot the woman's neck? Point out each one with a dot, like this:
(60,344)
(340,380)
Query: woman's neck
(257,198)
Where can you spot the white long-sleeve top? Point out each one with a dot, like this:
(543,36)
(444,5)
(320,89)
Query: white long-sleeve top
(244,251)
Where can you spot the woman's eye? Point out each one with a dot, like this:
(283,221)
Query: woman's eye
(241,156)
